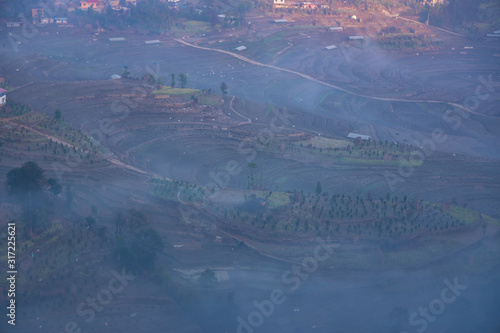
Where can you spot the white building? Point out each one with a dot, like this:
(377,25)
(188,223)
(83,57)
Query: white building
(3,96)
(355,136)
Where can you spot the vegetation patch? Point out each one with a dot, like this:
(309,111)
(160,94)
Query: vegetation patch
(165,90)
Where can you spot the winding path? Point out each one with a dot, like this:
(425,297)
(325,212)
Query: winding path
(249,121)
(310,78)
(110,159)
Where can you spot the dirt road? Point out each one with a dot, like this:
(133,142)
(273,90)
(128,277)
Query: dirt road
(310,78)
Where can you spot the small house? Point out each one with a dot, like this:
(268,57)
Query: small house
(308,5)
(3,96)
(356,38)
(13,24)
(61,20)
(96,5)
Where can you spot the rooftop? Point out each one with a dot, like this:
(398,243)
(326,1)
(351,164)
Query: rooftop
(355,135)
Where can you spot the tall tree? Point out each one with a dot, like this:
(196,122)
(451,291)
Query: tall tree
(223,88)
(136,219)
(318,188)
(57,114)
(126,73)
(25,185)
(182,80)
(27,178)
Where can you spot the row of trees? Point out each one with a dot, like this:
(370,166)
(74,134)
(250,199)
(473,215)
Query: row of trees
(341,215)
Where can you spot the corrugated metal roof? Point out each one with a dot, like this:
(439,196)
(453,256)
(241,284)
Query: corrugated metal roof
(355,135)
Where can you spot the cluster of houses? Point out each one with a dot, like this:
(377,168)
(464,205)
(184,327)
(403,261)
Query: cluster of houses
(314,5)
(301,5)
(40,16)
(433,3)
(100,5)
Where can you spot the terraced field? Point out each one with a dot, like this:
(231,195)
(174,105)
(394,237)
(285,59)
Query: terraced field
(284,131)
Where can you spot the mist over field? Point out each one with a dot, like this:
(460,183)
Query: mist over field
(249,166)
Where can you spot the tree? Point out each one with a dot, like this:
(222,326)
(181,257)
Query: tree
(251,181)
(57,114)
(182,80)
(136,219)
(146,245)
(138,252)
(242,9)
(318,188)
(90,222)
(223,88)
(126,73)
(55,187)
(25,184)
(208,279)
(27,178)
(172,84)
